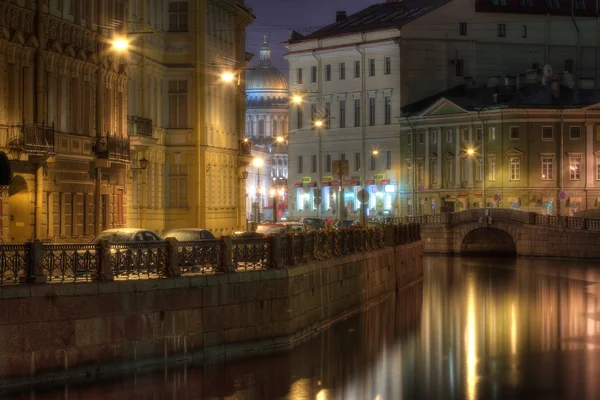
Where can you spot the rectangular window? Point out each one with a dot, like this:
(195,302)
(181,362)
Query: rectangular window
(388,110)
(492,172)
(462,28)
(552,4)
(574,132)
(178,177)
(178,14)
(460,67)
(356,161)
(313,164)
(515,169)
(449,136)
(547,168)
(313,74)
(526,3)
(299,118)
(513,132)
(501,30)
(328,72)
(373,162)
(433,170)
(300,165)
(420,172)
(342,113)
(409,207)
(409,174)
(492,133)
(372,67)
(357,69)
(434,135)
(524,31)
(479,172)
(579,4)
(388,159)
(387,70)
(574,167)
(421,138)
(342,71)
(356,112)
(328,163)
(479,134)
(372,111)
(343,156)
(448,170)
(178,104)
(327,115)
(299,76)
(465,135)
(547,133)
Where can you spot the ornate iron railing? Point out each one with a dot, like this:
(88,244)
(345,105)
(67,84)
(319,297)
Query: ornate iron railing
(251,254)
(14,259)
(200,257)
(147,259)
(71,262)
(113,148)
(30,138)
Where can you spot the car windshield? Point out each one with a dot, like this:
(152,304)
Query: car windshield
(113,237)
(270,229)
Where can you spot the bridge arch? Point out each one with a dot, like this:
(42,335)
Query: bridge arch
(488,241)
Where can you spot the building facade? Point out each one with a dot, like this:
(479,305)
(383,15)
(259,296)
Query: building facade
(78,116)
(267,103)
(398,53)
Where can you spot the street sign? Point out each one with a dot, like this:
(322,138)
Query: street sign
(562,195)
(317,200)
(496,197)
(363,196)
(340,168)
(421,188)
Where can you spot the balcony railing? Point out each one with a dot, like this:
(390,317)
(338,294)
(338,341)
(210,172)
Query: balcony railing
(30,138)
(113,148)
(139,126)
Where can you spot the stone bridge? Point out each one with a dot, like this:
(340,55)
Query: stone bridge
(493,232)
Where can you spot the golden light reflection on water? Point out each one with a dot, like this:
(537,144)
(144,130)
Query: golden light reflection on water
(470,340)
(513,329)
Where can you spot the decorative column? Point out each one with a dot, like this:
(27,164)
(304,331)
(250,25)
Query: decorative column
(426,180)
(439,158)
(39,199)
(457,158)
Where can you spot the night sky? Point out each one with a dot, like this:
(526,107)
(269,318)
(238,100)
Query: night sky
(275,18)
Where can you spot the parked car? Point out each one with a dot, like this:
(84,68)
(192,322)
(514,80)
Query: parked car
(189,234)
(247,235)
(345,224)
(313,224)
(281,228)
(126,235)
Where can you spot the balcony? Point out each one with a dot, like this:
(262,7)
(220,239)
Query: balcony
(113,148)
(139,126)
(32,139)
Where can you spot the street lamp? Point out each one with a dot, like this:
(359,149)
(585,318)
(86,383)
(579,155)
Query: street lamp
(296,99)
(319,125)
(227,77)
(120,44)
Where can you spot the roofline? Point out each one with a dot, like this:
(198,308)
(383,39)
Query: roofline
(394,39)
(342,34)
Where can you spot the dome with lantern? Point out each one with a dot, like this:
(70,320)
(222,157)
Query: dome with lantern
(265,77)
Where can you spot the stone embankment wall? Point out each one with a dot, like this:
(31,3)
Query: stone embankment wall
(53,331)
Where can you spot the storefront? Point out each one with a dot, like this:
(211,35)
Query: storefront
(548,205)
(383,194)
(305,197)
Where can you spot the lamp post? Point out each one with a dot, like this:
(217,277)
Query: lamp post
(319,199)
(257,163)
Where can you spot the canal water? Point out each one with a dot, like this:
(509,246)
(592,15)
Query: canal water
(472,329)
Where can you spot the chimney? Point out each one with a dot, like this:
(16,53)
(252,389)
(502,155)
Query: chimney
(340,16)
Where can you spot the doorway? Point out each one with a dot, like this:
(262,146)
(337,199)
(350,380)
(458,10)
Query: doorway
(19,205)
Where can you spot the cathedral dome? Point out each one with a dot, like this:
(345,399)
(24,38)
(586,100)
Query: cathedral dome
(265,76)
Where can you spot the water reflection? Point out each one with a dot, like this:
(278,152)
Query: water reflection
(473,329)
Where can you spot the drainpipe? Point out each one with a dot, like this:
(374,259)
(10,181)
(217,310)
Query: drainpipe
(559,202)
(363,99)
(413,157)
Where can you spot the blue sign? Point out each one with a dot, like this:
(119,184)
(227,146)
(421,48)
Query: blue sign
(562,195)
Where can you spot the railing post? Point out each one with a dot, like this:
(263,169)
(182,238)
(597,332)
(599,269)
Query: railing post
(35,267)
(275,253)
(341,242)
(105,272)
(227,258)
(584,223)
(291,248)
(173,267)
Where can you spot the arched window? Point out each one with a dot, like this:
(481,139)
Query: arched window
(261,127)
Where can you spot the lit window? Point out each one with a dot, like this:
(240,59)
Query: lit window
(547,168)
(574,168)
(515,169)
(492,133)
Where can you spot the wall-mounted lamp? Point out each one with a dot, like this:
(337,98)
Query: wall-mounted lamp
(143,164)
(244,174)
(15,151)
